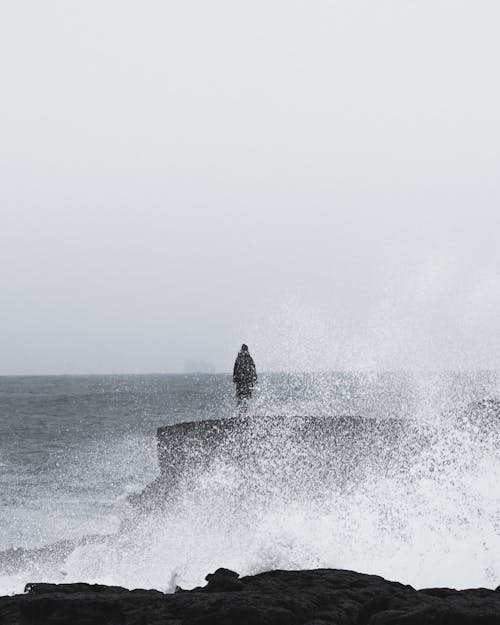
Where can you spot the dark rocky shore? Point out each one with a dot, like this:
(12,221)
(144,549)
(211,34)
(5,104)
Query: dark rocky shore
(274,598)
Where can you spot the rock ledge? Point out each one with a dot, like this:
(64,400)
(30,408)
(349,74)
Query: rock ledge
(317,597)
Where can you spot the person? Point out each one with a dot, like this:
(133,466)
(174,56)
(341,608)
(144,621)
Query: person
(244,377)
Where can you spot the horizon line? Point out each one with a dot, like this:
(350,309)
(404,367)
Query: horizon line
(263,372)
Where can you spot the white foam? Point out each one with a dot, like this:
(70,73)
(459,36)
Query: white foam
(436,525)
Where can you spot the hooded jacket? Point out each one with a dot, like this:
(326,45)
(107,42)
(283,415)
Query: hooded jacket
(244,372)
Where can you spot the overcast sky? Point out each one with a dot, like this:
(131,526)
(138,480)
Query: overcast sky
(319,179)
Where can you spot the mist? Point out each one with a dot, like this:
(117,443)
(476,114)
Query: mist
(316,179)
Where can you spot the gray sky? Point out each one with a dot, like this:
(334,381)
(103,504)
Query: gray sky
(319,179)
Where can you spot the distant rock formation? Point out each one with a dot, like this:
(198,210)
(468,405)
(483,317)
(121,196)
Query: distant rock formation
(319,597)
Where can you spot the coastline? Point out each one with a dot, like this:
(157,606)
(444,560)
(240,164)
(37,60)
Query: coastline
(307,597)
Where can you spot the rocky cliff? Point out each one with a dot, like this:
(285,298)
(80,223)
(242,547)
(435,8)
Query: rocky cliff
(292,455)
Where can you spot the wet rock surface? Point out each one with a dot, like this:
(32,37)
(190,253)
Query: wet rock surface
(296,456)
(317,597)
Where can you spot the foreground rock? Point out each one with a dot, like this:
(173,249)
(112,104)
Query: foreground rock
(274,598)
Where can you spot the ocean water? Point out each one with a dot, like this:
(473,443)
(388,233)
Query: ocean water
(72,448)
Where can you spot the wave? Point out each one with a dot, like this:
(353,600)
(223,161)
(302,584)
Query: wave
(434,521)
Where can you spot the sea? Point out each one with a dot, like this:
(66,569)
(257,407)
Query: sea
(73,449)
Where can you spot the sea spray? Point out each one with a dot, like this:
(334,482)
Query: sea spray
(434,521)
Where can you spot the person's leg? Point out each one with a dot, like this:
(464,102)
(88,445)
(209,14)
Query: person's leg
(243,406)
(243,394)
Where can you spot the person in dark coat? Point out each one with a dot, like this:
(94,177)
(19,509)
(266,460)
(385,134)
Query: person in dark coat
(244,376)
